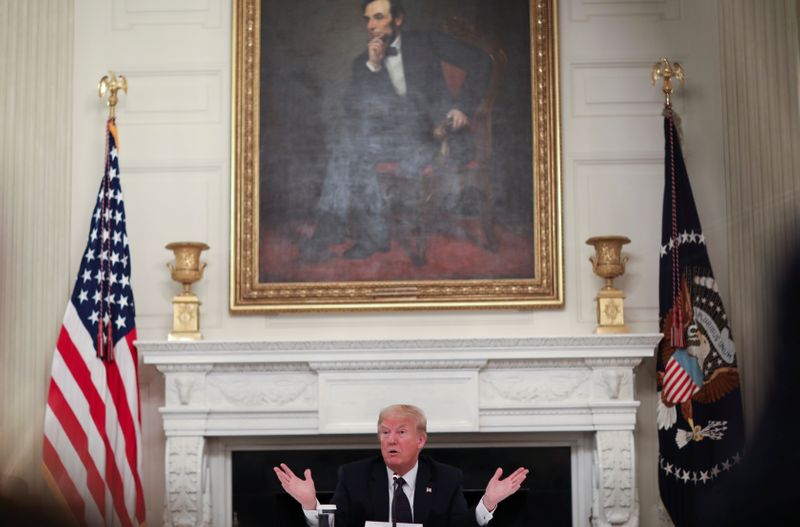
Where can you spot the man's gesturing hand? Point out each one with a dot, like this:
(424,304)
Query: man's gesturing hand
(499,489)
(302,490)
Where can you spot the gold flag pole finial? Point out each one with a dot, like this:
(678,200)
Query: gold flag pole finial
(667,70)
(112,84)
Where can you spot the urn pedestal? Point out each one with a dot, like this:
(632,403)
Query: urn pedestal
(608,263)
(186,270)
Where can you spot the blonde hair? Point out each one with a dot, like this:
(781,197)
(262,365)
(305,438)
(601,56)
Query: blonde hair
(406,410)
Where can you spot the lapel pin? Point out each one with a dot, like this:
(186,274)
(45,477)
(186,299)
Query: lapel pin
(428,490)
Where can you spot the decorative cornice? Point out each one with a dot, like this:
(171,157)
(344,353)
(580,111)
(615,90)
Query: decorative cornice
(184,368)
(538,410)
(528,343)
(398,365)
(626,350)
(294,367)
(566,408)
(614,362)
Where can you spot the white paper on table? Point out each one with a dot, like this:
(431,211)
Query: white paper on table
(389,524)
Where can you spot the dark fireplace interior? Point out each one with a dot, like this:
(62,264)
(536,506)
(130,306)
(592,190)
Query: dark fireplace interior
(544,499)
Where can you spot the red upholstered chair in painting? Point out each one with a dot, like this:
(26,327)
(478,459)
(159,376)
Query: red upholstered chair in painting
(474,176)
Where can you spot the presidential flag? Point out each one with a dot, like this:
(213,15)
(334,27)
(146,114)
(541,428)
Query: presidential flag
(700,427)
(92,451)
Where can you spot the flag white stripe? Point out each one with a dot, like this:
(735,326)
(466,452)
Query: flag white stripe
(72,464)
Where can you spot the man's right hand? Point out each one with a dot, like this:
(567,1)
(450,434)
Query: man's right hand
(376,51)
(302,490)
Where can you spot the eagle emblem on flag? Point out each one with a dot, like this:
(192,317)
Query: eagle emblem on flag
(704,370)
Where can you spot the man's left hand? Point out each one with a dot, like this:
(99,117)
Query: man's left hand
(499,489)
(457,119)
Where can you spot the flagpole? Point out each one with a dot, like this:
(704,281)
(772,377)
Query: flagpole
(110,84)
(92,445)
(699,419)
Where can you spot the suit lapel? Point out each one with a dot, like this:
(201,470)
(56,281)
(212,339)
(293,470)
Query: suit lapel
(379,492)
(423,491)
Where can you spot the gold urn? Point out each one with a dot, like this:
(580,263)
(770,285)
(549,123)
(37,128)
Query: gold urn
(609,263)
(186,270)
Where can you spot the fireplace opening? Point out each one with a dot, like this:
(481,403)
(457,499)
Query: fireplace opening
(544,499)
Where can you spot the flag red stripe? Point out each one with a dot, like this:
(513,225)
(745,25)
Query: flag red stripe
(686,388)
(117,391)
(682,384)
(679,383)
(81,374)
(83,377)
(65,485)
(77,436)
(130,338)
(672,365)
(670,383)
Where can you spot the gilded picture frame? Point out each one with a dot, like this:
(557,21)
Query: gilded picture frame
(502,249)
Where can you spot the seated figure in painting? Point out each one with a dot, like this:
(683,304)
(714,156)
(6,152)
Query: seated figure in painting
(395,110)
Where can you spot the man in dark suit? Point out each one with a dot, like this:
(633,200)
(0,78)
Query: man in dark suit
(396,100)
(400,485)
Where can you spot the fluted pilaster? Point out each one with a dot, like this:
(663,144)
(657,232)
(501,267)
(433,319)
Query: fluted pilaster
(35,142)
(759,42)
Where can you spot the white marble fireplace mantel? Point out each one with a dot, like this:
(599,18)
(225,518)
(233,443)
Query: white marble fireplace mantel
(222,389)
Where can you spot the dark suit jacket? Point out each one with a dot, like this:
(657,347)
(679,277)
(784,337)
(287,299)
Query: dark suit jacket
(362,494)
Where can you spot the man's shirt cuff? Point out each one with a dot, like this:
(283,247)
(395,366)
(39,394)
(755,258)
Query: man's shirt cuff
(311,517)
(482,514)
(372,68)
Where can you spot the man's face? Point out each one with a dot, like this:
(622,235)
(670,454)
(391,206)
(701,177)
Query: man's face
(379,21)
(400,443)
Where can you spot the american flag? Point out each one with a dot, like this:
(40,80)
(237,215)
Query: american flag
(92,451)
